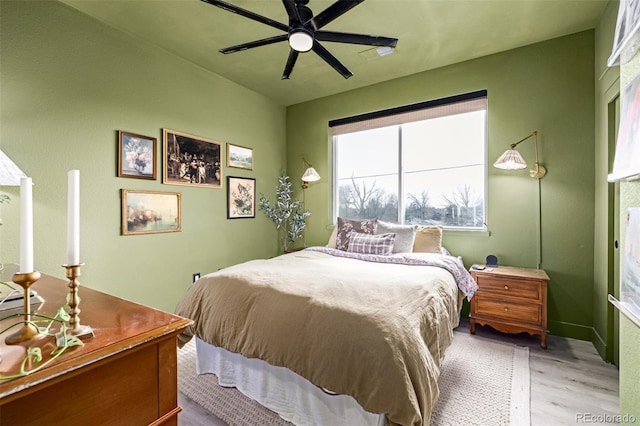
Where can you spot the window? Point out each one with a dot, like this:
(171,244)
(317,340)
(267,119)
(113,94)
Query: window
(420,164)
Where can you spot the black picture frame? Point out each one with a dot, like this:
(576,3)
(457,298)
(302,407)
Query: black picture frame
(241,197)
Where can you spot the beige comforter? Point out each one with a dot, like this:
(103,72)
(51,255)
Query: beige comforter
(374,331)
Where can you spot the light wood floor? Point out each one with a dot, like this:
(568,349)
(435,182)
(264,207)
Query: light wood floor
(568,380)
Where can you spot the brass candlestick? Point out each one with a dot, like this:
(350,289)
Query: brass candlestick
(75,329)
(28,331)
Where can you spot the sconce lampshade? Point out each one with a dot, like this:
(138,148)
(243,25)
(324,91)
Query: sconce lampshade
(10,174)
(510,160)
(310,175)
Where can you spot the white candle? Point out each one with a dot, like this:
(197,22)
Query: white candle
(73,217)
(26,225)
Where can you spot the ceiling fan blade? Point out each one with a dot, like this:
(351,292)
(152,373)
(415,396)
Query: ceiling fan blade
(339,37)
(248,14)
(331,60)
(292,11)
(332,12)
(291,61)
(252,44)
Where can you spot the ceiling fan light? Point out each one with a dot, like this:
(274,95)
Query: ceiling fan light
(300,40)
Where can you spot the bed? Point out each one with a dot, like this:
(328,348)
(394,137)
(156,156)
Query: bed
(369,327)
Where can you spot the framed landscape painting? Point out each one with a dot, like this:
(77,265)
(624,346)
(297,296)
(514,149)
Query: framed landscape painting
(151,212)
(191,160)
(239,157)
(137,155)
(241,198)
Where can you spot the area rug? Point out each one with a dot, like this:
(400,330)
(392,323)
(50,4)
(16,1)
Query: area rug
(482,382)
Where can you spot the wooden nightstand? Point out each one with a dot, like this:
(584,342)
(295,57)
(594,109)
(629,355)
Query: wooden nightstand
(511,300)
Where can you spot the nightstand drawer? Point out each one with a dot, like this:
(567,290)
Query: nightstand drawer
(513,311)
(508,287)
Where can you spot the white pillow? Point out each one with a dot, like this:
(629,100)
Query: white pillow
(405,235)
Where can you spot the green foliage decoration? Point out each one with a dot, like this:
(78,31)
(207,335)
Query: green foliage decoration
(287,213)
(44,323)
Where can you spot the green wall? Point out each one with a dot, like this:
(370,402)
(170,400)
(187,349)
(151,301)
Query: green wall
(607,89)
(546,87)
(68,84)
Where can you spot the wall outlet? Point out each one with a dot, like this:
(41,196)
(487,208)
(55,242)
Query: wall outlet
(196,276)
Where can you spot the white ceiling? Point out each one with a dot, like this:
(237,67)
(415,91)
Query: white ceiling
(431,33)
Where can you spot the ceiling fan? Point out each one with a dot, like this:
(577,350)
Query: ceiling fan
(304,32)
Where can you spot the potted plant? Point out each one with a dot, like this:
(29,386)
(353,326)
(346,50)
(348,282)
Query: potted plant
(288,214)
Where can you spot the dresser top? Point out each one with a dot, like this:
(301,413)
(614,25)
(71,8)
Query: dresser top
(512,271)
(118,324)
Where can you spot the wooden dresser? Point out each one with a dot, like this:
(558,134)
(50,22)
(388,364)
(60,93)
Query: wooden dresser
(125,375)
(511,300)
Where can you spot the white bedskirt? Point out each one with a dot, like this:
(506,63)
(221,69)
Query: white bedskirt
(281,390)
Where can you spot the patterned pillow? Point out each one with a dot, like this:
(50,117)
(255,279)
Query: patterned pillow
(371,244)
(405,235)
(346,226)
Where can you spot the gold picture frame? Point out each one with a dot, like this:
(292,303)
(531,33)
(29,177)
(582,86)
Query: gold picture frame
(137,156)
(150,212)
(191,160)
(239,157)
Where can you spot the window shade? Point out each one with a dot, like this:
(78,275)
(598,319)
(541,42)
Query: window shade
(459,104)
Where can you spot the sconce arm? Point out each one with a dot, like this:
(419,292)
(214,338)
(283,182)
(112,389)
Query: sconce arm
(535,142)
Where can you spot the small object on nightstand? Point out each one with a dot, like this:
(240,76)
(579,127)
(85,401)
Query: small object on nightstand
(478,267)
(492,261)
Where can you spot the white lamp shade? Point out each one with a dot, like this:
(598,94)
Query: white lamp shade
(310,175)
(300,40)
(10,174)
(510,160)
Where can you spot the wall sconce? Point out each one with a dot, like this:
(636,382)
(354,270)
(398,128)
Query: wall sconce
(512,160)
(310,175)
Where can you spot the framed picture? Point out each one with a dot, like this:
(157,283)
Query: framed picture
(626,163)
(626,41)
(151,212)
(239,157)
(191,160)
(241,197)
(137,155)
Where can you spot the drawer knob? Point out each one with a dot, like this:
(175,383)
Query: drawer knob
(506,309)
(506,287)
